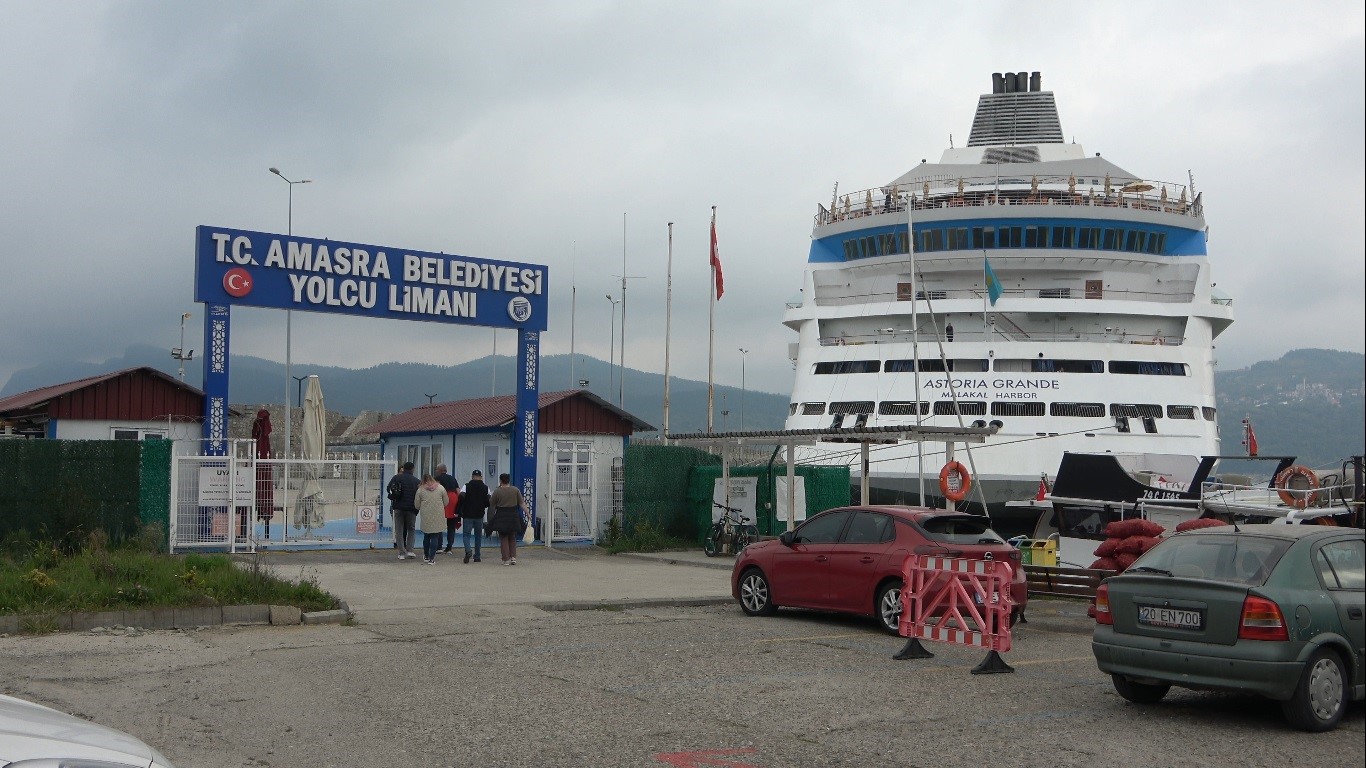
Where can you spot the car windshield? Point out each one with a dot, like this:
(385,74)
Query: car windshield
(1236,558)
(960,529)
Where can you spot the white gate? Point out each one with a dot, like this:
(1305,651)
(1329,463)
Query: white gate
(239,503)
(572,498)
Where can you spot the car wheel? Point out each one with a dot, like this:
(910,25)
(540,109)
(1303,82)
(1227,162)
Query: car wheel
(1139,693)
(887,606)
(1321,697)
(756,597)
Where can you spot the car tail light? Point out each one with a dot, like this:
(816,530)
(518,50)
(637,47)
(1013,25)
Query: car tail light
(1103,615)
(1262,620)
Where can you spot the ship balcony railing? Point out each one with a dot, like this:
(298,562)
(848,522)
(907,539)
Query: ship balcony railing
(928,335)
(831,298)
(983,191)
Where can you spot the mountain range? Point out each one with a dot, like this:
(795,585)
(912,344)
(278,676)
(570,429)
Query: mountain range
(1310,403)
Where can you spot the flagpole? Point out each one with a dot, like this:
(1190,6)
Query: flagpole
(668,324)
(915,351)
(621,380)
(711,326)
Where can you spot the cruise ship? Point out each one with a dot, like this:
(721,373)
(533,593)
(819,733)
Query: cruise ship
(1043,291)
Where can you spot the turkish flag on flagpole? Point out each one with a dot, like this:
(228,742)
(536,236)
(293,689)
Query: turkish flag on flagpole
(1251,440)
(716,260)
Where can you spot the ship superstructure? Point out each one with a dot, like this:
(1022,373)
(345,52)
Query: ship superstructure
(1098,335)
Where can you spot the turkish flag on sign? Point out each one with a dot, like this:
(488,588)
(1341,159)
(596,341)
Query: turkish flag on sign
(716,260)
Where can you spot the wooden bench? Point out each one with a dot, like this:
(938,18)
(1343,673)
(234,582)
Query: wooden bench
(1064,582)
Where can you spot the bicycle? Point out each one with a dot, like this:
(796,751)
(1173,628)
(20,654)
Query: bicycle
(732,533)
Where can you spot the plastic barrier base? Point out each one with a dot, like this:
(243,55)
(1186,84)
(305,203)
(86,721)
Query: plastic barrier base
(992,664)
(913,650)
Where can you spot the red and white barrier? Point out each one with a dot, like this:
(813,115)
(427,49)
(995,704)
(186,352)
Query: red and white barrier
(958,601)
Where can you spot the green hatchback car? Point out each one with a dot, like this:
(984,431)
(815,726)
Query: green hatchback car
(1274,610)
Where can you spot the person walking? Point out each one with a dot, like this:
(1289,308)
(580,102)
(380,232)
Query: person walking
(452,487)
(474,500)
(403,497)
(431,501)
(506,518)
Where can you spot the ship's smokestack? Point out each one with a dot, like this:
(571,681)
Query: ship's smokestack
(1021,82)
(1035,81)
(998,82)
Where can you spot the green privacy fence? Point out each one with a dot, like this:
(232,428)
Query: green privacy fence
(670,488)
(61,490)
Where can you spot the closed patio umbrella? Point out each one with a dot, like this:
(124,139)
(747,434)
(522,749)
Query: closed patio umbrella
(308,513)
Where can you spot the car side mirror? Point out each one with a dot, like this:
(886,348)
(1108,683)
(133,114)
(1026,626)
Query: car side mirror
(787,538)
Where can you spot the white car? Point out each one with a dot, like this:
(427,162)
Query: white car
(34,736)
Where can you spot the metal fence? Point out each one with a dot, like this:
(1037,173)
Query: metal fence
(239,503)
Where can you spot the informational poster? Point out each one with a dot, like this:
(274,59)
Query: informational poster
(744,494)
(213,487)
(780,489)
(367,518)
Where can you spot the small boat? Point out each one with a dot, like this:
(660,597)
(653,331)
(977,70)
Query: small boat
(1093,490)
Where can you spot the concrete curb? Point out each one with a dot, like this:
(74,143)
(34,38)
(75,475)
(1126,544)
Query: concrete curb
(724,564)
(607,605)
(172,618)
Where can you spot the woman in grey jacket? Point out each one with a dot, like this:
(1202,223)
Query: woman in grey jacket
(431,516)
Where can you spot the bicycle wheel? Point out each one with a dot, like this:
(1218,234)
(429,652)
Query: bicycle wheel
(709,544)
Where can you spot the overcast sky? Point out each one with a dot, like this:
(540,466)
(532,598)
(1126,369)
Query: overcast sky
(524,132)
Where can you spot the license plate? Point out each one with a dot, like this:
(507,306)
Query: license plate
(1173,618)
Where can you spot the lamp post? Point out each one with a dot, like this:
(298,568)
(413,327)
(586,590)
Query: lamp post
(289,230)
(743,352)
(179,352)
(300,400)
(611,344)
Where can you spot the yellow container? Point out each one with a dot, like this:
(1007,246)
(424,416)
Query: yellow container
(1043,552)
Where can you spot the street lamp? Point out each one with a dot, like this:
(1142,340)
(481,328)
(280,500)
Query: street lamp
(179,352)
(611,344)
(289,229)
(430,398)
(743,352)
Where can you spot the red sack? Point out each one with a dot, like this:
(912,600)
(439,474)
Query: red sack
(1131,546)
(1124,560)
(1204,522)
(1146,528)
(1148,543)
(1104,564)
(1106,548)
(1119,529)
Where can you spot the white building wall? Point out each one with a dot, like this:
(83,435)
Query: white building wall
(103,429)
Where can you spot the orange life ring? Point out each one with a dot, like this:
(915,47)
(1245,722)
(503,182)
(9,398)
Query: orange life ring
(1299,497)
(954,481)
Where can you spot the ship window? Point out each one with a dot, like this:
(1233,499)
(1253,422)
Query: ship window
(853,406)
(1035,237)
(1208,413)
(1181,412)
(902,408)
(1111,241)
(1157,242)
(1136,410)
(1009,408)
(969,364)
(1055,293)
(1063,237)
(931,295)
(1088,237)
(850,250)
(958,239)
(1009,237)
(983,237)
(1049,365)
(813,409)
(791,409)
(1133,241)
(847,366)
(1084,410)
(965,408)
(1147,368)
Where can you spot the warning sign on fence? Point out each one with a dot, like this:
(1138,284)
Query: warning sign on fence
(367,518)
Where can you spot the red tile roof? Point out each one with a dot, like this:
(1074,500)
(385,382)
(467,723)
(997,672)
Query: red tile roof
(483,413)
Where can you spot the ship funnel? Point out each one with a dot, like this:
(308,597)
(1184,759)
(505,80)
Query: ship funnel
(1035,81)
(1021,82)
(998,82)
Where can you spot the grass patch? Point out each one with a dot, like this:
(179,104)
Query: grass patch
(646,538)
(38,577)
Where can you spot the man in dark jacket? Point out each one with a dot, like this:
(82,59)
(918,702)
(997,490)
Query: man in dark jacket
(452,487)
(473,502)
(403,495)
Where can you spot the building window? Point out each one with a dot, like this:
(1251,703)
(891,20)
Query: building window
(134,433)
(573,467)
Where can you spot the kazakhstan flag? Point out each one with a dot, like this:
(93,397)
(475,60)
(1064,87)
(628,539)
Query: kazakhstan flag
(993,285)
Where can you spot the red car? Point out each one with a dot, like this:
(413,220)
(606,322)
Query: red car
(849,560)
